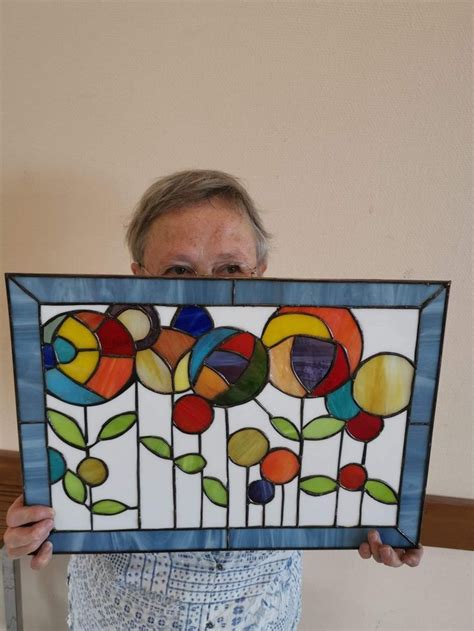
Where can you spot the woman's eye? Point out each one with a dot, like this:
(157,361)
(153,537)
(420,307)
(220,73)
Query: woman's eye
(232,269)
(178,270)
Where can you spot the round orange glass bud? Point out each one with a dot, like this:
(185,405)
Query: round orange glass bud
(280,466)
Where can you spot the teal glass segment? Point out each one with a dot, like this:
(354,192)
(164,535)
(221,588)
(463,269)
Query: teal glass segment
(57,465)
(65,351)
(341,404)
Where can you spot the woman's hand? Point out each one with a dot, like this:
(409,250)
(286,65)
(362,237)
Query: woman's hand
(27,529)
(393,557)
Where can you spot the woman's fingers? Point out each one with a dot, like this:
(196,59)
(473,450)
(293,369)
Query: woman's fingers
(383,553)
(413,557)
(43,556)
(390,557)
(20,541)
(19,515)
(364,550)
(375,543)
(27,529)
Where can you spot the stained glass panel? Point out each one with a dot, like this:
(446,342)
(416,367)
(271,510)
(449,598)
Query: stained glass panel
(164,414)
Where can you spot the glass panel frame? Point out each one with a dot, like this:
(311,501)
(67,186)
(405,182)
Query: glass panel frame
(27,294)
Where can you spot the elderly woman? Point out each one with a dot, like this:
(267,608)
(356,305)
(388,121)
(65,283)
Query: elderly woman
(191,223)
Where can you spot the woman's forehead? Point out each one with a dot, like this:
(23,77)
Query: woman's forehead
(214,230)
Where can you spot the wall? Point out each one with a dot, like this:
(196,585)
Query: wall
(348,122)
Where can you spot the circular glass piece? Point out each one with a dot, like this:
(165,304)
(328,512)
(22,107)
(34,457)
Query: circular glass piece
(193,320)
(382,385)
(141,321)
(261,491)
(352,477)
(280,466)
(247,447)
(312,350)
(88,357)
(228,366)
(342,325)
(192,414)
(364,427)
(92,471)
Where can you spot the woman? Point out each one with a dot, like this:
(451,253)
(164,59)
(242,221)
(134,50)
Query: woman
(191,223)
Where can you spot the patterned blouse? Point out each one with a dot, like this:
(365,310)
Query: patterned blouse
(186,591)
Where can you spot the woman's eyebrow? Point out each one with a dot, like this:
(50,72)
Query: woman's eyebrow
(172,258)
(226,257)
(231,256)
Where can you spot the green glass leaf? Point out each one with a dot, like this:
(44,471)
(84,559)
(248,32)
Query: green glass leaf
(318,485)
(117,425)
(381,492)
(74,487)
(157,446)
(66,428)
(108,507)
(322,427)
(191,463)
(215,491)
(285,427)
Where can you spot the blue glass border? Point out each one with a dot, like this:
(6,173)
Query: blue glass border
(307,538)
(139,540)
(334,293)
(126,289)
(414,480)
(428,355)
(35,463)
(26,343)
(27,292)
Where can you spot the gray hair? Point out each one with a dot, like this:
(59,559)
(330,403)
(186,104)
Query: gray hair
(183,188)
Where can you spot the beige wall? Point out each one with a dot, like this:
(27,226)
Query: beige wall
(348,122)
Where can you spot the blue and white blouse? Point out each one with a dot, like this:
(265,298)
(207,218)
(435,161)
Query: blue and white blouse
(186,591)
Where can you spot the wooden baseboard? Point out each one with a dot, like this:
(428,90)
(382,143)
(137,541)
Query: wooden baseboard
(448,522)
(10,484)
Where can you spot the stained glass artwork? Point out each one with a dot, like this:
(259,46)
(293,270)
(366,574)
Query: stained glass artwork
(167,414)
